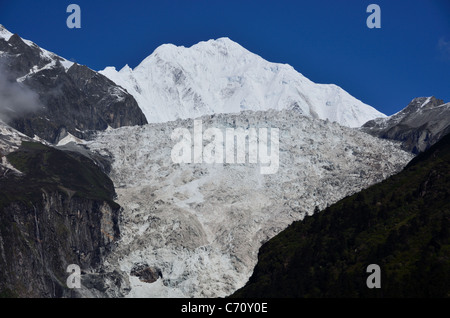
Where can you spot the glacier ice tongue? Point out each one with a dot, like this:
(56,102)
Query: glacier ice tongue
(202,225)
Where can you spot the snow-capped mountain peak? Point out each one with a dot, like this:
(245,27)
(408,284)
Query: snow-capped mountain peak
(4,33)
(221,76)
(48,56)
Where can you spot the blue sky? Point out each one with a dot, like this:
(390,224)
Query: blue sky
(325,40)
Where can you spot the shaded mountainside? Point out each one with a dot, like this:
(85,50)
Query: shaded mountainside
(71,98)
(402,224)
(58,210)
(418,126)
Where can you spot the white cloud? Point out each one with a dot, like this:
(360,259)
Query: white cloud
(16,99)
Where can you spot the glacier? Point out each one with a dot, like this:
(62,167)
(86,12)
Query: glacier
(201,225)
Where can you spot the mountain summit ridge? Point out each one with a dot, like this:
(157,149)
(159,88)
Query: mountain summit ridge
(221,76)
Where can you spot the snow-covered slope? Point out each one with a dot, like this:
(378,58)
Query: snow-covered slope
(10,140)
(220,76)
(200,225)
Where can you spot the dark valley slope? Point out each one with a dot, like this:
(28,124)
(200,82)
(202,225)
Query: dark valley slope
(402,224)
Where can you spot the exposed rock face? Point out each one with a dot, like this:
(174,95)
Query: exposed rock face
(418,126)
(38,240)
(72,98)
(56,209)
(146,273)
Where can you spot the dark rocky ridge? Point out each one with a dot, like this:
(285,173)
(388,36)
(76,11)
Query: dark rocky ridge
(74,100)
(418,126)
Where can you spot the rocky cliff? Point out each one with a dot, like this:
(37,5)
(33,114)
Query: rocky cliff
(56,209)
(418,126)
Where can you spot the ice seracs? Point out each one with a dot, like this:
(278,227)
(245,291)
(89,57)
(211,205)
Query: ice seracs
(201,224)
(220,76)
